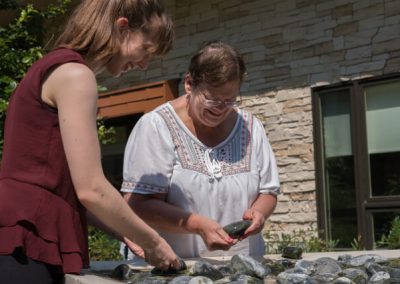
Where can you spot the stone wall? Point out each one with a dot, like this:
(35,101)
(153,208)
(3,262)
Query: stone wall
(289,46)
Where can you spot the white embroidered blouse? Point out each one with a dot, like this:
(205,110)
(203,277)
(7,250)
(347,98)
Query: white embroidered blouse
(163,156)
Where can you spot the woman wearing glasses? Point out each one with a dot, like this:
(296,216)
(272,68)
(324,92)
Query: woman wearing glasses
(198,163)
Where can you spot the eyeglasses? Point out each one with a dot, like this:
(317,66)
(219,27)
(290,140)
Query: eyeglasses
(217,103)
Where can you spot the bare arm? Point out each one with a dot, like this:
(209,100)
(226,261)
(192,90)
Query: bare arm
(259,212)
(136,249)
(72,89)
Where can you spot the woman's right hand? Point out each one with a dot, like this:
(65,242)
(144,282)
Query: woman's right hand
(161,256)
(213,235)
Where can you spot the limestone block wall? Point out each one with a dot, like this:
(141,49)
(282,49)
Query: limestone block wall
(289,46)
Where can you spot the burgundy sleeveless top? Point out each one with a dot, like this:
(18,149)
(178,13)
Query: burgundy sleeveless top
(39,210)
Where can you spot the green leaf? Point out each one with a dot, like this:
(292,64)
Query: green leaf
(101,89)
(26,59)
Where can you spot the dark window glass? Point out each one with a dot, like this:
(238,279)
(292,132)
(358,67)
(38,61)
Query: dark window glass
(385,173)
(339,168)
(383,223)
(113,153)
(382,109)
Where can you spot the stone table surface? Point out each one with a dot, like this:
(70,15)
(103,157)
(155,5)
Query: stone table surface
(91,276)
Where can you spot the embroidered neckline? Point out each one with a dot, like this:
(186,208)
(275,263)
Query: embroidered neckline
(195,139)
(231,156)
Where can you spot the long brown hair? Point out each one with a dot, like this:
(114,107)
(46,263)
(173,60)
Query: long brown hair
(215,64)
(93,32)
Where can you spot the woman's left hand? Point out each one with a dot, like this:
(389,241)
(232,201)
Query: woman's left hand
(257,222)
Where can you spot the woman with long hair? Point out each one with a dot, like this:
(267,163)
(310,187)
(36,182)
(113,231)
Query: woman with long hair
(51,174)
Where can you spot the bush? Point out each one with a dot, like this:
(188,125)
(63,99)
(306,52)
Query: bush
(103,247)
(275,243)
(21,44)
(392,240)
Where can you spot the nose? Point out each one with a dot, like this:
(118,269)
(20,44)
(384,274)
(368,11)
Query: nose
(222,106)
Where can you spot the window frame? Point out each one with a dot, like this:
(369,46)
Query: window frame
(365,202)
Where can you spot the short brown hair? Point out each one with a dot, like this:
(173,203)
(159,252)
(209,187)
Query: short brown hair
(92,29)
(216,63)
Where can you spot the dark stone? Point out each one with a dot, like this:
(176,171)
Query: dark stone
(224,269)
(236,229)
(170,271)
(123,272)
(275,266)
(292,252)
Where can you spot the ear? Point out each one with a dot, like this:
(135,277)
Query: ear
(188,84)
(122,23)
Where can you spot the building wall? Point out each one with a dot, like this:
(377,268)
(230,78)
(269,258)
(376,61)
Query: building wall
(289,46)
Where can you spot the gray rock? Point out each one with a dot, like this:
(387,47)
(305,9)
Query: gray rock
(305,267)
(245,279)
(184,279)
(380,277)
(343,280)
(200,280)
(327,266)
(242,264)
(224,269)
(394,272)
(294,278)
(223,280)
(358,276)
(153,280)
(344,258)
(242,269)
(202,268)
(325,278)
(373,267)
(363,259)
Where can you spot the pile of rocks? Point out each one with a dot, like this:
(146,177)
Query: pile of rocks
(368,268)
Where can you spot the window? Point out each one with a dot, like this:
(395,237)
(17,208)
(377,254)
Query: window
(121,109)
(113,153)
(357,146)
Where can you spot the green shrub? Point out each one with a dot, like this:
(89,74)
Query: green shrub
(102,246)
(392,240)
(21,44)
(300,238)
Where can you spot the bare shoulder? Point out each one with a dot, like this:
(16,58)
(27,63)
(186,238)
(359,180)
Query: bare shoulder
(72,78)
(73,72)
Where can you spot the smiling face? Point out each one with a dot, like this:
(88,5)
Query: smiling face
(136,49)
(204,114)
